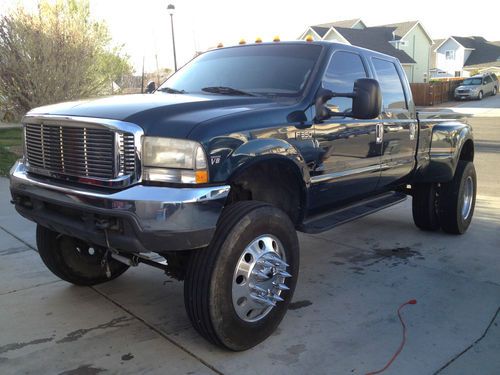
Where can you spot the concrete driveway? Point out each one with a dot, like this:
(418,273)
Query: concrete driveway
(342,321)
(488,107)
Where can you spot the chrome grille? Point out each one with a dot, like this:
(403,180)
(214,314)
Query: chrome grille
(79,151)
(127,153)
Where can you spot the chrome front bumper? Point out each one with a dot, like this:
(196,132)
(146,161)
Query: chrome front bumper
(139,218)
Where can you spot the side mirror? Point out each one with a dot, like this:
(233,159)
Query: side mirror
(366,101)
(151,86)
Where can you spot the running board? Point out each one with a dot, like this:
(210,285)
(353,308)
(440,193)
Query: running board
(322,222)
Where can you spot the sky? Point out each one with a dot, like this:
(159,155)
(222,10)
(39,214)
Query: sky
(143,26)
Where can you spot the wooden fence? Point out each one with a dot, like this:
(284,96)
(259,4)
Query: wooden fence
(432,93)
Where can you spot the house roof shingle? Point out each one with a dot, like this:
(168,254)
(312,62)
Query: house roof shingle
(401,28)
(343,23)
(377,39)
(467,42)
(321,31)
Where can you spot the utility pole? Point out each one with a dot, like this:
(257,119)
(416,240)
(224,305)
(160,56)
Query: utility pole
(171,11)
(142,77)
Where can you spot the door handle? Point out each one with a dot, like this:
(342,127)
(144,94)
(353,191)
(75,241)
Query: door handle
(379,133)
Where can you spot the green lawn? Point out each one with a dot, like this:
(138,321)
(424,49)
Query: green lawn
(10,148)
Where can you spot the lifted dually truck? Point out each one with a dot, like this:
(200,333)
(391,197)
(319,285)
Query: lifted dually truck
(217,170)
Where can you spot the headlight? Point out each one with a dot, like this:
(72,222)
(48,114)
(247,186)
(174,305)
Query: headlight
(174,160)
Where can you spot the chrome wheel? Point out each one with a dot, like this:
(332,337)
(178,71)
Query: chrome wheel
(259,278)
(468,197)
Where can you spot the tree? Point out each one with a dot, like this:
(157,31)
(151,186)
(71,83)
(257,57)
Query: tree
(56,54)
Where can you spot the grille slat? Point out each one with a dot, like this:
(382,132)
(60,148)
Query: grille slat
(79,151)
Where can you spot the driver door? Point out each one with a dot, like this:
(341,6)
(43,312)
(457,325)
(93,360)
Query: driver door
(348,166)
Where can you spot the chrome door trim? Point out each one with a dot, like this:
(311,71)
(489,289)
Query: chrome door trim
(346,173)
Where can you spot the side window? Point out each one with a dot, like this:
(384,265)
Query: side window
(393,96)
(344,69)
(487,79)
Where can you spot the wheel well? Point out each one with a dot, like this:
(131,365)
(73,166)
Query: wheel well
(276,182)
(467,152)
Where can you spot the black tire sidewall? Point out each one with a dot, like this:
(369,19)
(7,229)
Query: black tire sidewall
(468,171)
(50,251)
(424,206)
(452,199)
(232,331)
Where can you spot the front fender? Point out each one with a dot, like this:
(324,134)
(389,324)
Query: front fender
(261,150)
(447,141)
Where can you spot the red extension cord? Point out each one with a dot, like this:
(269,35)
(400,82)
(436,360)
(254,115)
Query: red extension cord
(410,302)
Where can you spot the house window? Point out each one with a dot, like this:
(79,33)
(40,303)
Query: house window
(450,55)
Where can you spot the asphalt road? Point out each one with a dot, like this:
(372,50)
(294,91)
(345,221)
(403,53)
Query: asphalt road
(342,321)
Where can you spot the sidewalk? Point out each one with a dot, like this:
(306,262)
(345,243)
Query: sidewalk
(488,107)
(9,125)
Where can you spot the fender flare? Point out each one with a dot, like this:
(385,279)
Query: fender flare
(447,142)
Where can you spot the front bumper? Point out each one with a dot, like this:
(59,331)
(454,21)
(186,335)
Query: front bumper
(466,95)
(137,219)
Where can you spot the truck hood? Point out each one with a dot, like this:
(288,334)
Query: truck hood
(161,114)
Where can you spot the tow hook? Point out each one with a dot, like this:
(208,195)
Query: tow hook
(105,263)
(104,225)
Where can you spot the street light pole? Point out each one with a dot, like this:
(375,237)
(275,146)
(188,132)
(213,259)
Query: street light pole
(171,10)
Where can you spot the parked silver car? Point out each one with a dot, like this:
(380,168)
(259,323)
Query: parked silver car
(477,87)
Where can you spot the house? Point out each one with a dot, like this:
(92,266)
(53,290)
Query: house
(462,56)
(412,38)
(407,41)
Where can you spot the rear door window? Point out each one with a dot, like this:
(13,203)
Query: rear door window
(393,96)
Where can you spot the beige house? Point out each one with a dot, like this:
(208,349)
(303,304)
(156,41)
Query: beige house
(407,41)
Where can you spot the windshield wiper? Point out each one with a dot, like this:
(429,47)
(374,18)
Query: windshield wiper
(171,90)
(226,91)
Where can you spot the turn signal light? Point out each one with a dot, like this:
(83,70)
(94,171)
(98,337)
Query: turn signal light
(201,177)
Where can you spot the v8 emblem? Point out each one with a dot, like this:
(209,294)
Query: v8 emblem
(215,159)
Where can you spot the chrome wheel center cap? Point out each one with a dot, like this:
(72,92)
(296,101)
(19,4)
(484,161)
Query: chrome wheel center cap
(259,278)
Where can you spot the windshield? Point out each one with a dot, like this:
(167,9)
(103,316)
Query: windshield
(472,81)
(279,69)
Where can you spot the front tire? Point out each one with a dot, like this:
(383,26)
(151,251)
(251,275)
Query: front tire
(457,199)
(237,290)
(73,260)
(480,95)
(424,206)
(494,91)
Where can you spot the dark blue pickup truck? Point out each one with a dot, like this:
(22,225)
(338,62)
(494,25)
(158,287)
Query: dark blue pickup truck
(210,177)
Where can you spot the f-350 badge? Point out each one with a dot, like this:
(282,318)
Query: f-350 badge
(303,135)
